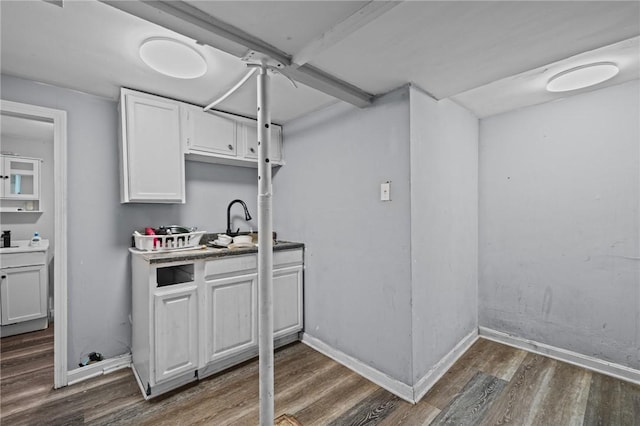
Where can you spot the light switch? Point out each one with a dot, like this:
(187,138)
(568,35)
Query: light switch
(385,191)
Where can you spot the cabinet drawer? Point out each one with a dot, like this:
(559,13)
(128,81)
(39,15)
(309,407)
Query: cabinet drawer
(13,260)
(287,257)
(232,264)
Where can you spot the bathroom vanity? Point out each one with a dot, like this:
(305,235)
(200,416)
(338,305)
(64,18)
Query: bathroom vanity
(24,290)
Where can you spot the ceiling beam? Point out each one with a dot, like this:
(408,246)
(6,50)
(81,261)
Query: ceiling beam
(192,22)
(368,13)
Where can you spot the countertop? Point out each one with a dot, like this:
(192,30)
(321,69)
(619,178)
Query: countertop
(206,252)
(22,246)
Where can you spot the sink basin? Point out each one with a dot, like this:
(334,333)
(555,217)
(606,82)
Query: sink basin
(20,246)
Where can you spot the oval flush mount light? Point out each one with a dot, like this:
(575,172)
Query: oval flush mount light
(173,58)
(582,76)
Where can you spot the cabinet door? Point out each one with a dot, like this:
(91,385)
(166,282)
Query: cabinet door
(23,294)
(176,331)
(210,133)
(231,316)
(287,300)
(250,139)
(20,178)
(153,161)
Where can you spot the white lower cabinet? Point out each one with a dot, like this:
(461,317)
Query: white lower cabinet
(195,318)
(23,292)
(287,300)
(176,331)
(24,288)
(231,316)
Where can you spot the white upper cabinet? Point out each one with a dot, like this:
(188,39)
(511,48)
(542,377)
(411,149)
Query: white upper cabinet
(157,134)
(218,137)
(208,132)
(250,142)
(20,184)
(152,156)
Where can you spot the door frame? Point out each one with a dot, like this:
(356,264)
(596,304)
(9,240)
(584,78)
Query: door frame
(59,120)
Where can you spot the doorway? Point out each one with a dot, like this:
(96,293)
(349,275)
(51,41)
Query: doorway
(58,120)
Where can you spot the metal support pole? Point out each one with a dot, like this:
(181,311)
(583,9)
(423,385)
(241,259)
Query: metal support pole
(265,253)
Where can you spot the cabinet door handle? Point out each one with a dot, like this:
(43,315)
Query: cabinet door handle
(230,147)
(3,277)
(252,150)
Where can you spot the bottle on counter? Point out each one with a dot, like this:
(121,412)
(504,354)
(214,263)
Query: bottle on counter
(35,241)
(6,238)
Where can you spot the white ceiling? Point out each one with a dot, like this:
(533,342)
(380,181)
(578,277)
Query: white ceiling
(488,56)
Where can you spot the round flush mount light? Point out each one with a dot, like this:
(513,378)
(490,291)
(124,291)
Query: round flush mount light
(582,76)
(173,58)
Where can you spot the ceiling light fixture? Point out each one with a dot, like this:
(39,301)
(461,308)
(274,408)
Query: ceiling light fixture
(173,58)
(582,76)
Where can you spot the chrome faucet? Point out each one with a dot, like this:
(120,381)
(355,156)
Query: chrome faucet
(247,217)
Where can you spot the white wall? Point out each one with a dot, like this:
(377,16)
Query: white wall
(559,223)
(357,276)
(100,228)
(444,227)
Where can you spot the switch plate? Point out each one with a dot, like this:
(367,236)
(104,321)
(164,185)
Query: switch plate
(385,191)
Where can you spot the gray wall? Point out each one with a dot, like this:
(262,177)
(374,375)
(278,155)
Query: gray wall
(559,224)
(357,277)
(100,227)
(444,227)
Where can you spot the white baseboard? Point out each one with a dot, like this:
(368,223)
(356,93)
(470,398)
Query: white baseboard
(600,366)
(97,369)
(437,371)
(394,386)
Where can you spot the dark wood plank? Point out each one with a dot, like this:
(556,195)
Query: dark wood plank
(420,414)
(499,360)
(470,406)
(339,397)
(563,401)
(612,402)
(26,339)
(370,411)
(514,405)
(484,355)
(313,388)
(74,402)
(296,392)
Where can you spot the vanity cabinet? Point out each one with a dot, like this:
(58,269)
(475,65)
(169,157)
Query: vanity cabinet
(195,317)
(24,291)
(20,183)
(152,163)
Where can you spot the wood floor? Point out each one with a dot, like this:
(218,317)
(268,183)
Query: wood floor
(491,384)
